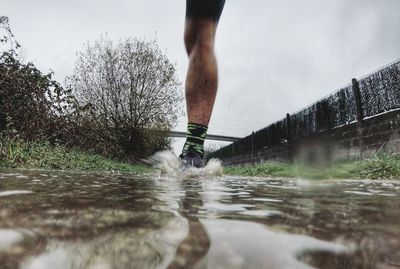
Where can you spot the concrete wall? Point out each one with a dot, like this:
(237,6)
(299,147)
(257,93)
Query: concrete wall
(358,139)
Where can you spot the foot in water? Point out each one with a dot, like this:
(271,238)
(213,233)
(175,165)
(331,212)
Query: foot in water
(172,165)
(191,159)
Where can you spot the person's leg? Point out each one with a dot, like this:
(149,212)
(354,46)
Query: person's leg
(202,77)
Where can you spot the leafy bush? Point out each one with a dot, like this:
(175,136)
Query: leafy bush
(31,103)
(124,113)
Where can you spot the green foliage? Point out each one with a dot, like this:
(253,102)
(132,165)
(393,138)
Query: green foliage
(275,169)
(264,169)
(132,91)
(380,166)
(32,103)
(18,153)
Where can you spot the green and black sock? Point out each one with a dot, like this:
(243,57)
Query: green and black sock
(195,136)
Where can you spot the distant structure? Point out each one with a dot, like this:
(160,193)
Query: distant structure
(209,136)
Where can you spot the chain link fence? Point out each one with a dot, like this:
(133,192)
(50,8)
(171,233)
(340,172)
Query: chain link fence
(373,94)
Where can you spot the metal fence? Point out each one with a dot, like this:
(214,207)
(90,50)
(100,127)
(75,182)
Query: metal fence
(376,93)
(380,91)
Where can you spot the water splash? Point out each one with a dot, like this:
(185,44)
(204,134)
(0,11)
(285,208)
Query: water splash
(171,165)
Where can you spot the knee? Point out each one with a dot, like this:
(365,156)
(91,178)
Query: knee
(200,46)
(199,36)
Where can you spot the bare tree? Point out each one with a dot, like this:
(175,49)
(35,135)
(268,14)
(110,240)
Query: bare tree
(131,87)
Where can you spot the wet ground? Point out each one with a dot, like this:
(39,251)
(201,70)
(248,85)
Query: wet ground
(72,220)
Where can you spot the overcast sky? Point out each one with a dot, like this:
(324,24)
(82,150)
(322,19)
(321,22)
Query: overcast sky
(275,56)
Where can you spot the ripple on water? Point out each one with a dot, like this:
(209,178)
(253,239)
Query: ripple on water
(20,176)
(130,220)
(14,192)
(226,207)
(359,192)
(261,213)
(266,200)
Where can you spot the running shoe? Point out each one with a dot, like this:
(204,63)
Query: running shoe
(191,159)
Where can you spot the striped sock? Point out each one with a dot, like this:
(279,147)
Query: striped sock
(195,136)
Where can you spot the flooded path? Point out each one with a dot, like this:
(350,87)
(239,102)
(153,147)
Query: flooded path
(72,220)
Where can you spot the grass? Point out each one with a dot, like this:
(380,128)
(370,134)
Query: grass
(380,166)
(17,153)
(275,169)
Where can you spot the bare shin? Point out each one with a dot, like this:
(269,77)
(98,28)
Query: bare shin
(202,76)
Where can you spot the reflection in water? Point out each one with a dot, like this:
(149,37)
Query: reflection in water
(71,220)
(9,238)
(196,243)
(251,245)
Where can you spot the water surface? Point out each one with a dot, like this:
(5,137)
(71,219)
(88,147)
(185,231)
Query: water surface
(94,220)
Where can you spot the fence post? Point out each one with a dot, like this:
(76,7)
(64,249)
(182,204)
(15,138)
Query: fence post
(359,112)
(357,97)
(252,148)
(289,138)
(288,131)
(3,121)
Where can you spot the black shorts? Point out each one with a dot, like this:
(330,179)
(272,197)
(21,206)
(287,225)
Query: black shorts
(208,9)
